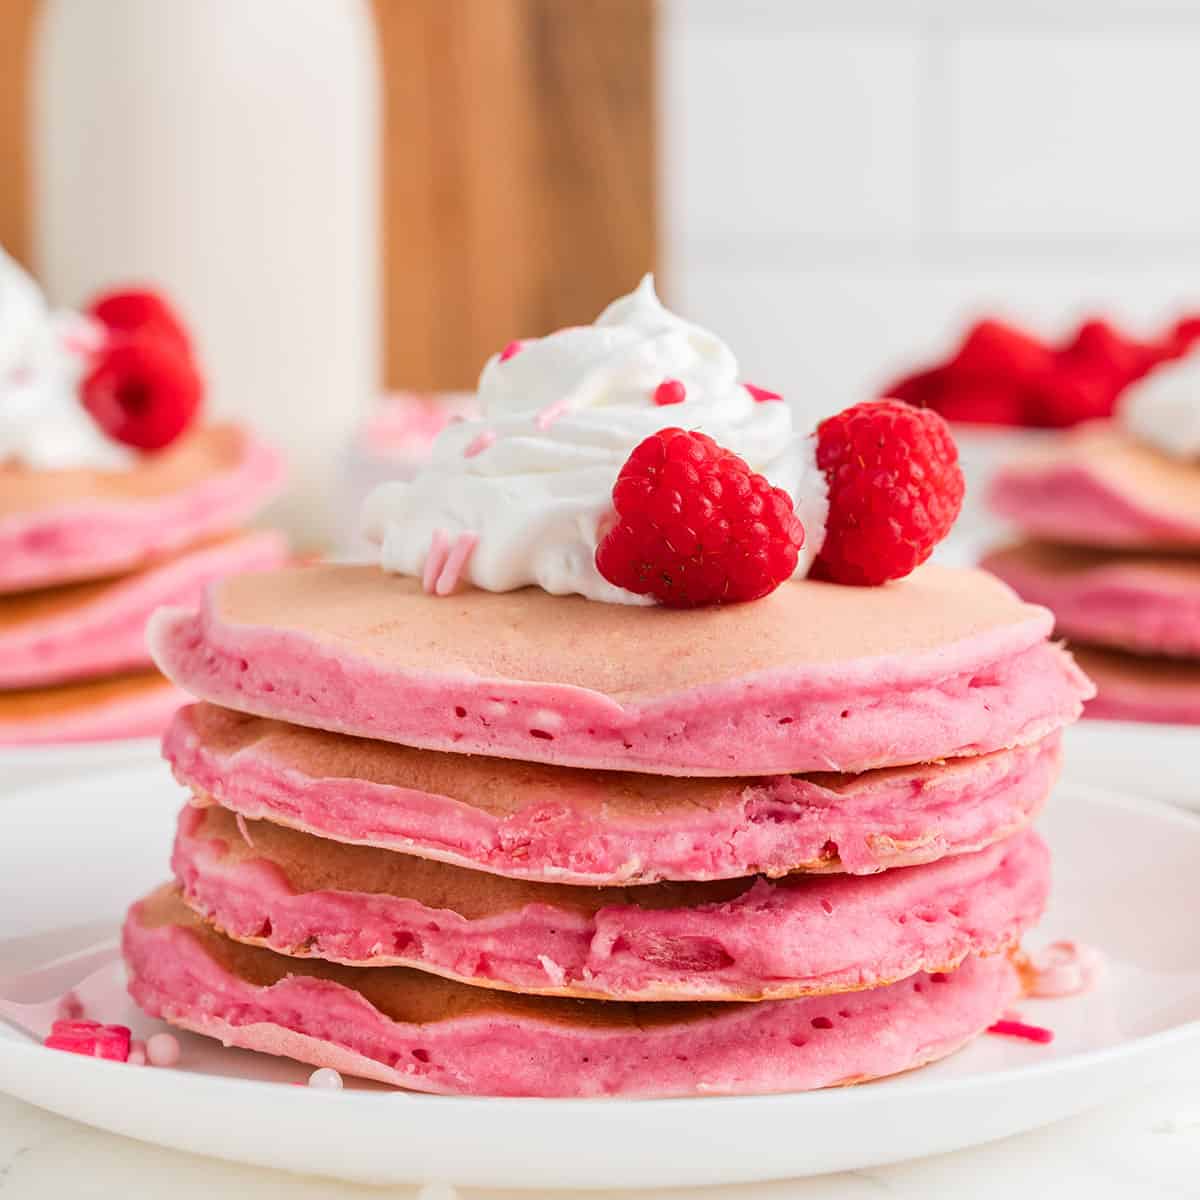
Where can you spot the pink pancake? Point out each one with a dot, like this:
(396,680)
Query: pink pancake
(1100,487)
(741,939)
(1131,687)
(140,704)
(1146,603)
(562,824)
(815,677)
(416,1031)
(84,630)
(62,526)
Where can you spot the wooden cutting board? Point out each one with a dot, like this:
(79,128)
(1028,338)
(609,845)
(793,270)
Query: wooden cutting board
(519,169)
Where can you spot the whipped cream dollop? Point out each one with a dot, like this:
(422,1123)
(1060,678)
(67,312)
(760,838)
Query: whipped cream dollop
(43,357)
(1163,409)
(518,496)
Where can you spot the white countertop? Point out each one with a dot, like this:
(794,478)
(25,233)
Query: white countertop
(1147,1148)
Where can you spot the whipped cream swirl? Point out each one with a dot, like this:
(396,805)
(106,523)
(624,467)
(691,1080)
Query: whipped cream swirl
(518,496)
(43,357)
(1163,409)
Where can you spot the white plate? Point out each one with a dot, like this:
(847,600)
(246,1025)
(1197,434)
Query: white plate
(1136,758)
(23,766)
(74,853)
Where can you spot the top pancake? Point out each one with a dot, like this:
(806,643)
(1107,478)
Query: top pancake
(814,677)
(57,526)
(1101,487)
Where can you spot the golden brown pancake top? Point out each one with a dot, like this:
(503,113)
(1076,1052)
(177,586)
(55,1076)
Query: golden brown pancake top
(203,452)
(532,636)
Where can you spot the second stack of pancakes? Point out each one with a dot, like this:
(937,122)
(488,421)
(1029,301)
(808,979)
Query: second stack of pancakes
(1110,541)
(776,846)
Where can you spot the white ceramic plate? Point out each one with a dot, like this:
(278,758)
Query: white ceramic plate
(75,852)
(22,766)
(1138,759)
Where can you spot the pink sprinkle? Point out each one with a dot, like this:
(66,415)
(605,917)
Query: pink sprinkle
(550,414)
(513,348)
(1062,969)
(480,442)
(91,1039)
(1018,1029)
(761,394)
(670,391)
(241,824)
(456,560)
(137,1054)
(435,560)
(162,1050)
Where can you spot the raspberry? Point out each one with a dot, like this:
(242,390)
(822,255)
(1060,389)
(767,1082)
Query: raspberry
(139,312)
(895,487)
(695,526)
(1099,349)
(90,1038)
(142,392)
(993,348)
(984,402)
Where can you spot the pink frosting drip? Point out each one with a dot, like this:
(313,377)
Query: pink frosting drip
(787,1045)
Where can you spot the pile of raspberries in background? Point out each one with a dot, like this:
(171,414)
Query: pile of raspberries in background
(1001,375)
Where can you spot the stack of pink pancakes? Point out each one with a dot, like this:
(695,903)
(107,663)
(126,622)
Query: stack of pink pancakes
(523,844)
(1113,547)
(85,557)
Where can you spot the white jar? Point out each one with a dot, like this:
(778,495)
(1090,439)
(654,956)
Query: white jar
(227,151)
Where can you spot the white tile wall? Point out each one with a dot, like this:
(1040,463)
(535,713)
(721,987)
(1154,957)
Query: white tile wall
(1077,134)
(752,148)
(845,185)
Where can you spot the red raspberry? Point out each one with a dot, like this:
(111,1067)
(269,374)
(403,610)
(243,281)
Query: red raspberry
(992,378)
(90,1038)
(139,312)
(994,348)
(142,392)
(695,526)
(1179,339)
(895,487)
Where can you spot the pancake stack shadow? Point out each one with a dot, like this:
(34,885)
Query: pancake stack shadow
(472,921)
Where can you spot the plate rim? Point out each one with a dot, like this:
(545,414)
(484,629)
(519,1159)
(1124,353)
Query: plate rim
(910,1085)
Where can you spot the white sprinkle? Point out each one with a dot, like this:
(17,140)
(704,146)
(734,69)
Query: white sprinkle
(241,824)
(326,1078)
(162,1050)
(554,972)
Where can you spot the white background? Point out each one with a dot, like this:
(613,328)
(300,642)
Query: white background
(844,183)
